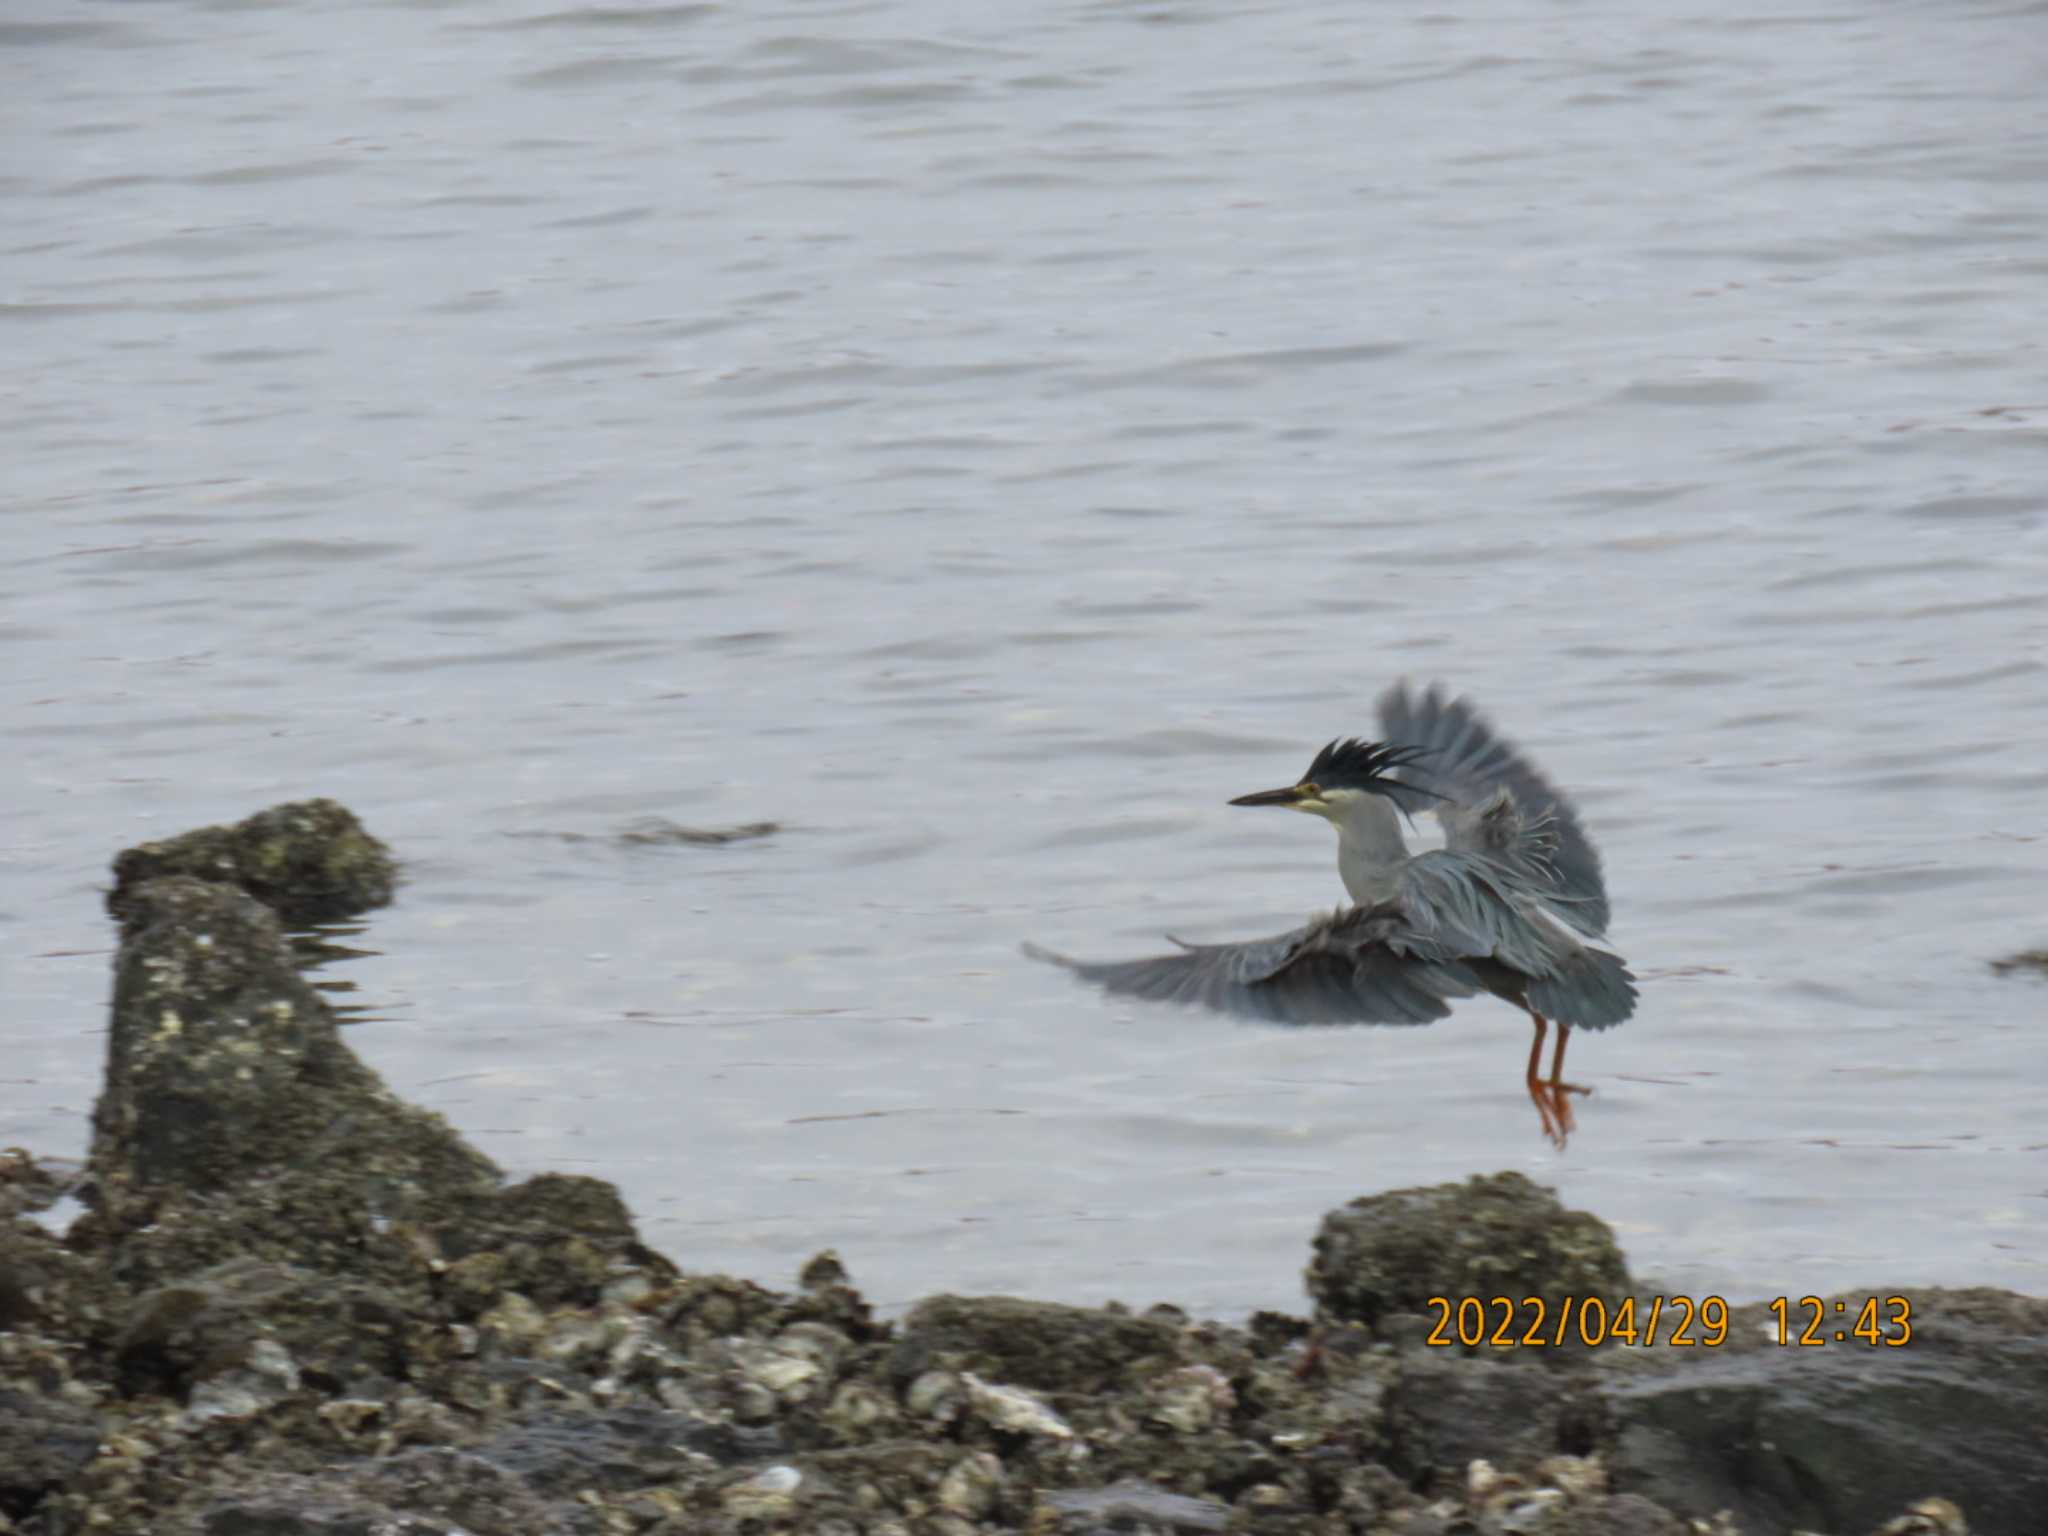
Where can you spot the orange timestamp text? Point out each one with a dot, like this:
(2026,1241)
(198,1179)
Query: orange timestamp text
(1677,1322)
(1881,1321)
(1551,1322)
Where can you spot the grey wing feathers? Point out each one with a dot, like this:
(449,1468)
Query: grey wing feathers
(1467,905)
(1349,968)
(1468,761)
(1590,989)
(1498,829)
(1457,926)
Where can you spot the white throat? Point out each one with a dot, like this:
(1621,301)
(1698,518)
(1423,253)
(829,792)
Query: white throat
(1370,848)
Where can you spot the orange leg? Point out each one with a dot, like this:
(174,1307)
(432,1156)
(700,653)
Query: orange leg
(1553,1109)
(1558,1086)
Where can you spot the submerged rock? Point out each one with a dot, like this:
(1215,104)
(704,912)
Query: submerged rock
(2025,961)
(660,830)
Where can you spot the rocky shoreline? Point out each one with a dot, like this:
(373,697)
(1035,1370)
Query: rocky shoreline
(291,1304)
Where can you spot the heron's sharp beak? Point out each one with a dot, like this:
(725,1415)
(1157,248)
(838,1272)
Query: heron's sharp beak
(1291,795)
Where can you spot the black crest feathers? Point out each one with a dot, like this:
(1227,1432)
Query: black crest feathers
(1349,763)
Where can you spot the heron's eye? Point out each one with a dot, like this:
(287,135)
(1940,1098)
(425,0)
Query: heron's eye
(1310,788)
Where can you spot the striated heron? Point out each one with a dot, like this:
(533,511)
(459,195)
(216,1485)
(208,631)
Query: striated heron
(1507,906)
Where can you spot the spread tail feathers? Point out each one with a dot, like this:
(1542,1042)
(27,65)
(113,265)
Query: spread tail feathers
(1591,990)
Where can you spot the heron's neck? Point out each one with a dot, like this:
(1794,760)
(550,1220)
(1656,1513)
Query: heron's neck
(1370,849)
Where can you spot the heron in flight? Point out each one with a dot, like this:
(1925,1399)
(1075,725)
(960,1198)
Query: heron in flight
(1510,905)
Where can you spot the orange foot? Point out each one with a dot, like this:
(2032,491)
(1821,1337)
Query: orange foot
(1554,1108)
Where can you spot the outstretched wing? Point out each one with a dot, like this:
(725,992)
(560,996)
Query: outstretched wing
(1536,830)
(1357,966)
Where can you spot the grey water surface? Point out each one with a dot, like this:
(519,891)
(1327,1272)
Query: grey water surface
(982,440)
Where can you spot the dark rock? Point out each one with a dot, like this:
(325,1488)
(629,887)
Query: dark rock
(1274,1332)
(44,1442)
(2029,961)
(555,1238)
(235,1122)
(309,862)
(841,1490)
(659,829)
(1432,1521)
(1445,1411)
(1627,1514)
(1132,1506)
(23,1272)
(230,1096)
(1491,1236)
(430,1492)
(556,1451)
(26,1185)
(33,1263)
(209,1326)
(301,1507)
(224,1066)
(1840,1437)
(1036,1344)
(461,1486)
(702,1309)
(821,1271)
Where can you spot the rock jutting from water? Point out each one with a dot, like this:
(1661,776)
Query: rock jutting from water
(298,1306)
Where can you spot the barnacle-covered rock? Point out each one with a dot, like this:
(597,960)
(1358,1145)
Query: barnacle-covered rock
(1129,1505)
(1190,1399)
(1036,1344)
(972,1486)
(1498,1235)
(767,1495)
(309,861)
(176,1339)
(1927,1517)
(230,1093)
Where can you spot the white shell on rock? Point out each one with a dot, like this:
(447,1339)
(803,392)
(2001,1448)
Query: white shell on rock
(1014,1409)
